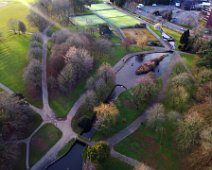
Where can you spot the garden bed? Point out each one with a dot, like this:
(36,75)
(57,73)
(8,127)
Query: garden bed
(135,34)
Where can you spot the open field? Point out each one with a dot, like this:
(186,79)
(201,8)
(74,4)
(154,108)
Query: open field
(147,146)
(137,33)
(188,58)
(42,141)
(14,48)
(7,13)
(13,59)
(113,164)
(87,20)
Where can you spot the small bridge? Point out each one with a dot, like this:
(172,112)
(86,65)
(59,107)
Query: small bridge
(85,140)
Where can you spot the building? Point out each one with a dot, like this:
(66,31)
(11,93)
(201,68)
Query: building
(208,18)
(188,5)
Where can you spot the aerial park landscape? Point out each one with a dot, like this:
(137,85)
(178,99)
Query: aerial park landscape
(104,85)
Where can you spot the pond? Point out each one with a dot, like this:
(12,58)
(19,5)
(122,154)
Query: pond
(126,77)
(74,158)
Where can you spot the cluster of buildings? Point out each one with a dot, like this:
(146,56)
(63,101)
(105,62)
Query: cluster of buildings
(204,5)
(193,4)
(208,17)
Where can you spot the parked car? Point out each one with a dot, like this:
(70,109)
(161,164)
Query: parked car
(154,4)
(177,4)
(140,6)
(108,2)
(174,20)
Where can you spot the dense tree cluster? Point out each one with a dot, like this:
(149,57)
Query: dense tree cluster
(98,152)
(99,88)
(145,91)
(33,71)
(15,114)
(78,64)
(181,87)
(71,59)
(193,98)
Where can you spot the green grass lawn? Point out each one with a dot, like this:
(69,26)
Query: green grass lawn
(95,7)
(146,146)
(112,13)
(42,141)
(61,104)
(15,11)
(174,34)
(86,20)
(14,49)
(21,160)
(155,30)
(66,148)
(13,60)
(114,164)
(188,58)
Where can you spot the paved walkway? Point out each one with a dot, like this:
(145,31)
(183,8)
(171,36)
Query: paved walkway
(124,158)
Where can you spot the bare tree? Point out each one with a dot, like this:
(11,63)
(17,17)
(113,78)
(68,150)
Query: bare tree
(106,116)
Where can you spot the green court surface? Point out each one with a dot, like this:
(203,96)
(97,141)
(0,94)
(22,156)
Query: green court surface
(112,13)
(95,7)
(114,16)
(86,20)
(124,21)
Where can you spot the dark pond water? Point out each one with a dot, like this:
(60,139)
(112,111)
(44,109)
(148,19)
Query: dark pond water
(74,158)
(126,77)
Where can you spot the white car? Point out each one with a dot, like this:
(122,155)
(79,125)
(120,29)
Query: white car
(177,4)
(108,2)
(154,4)
(140,6)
